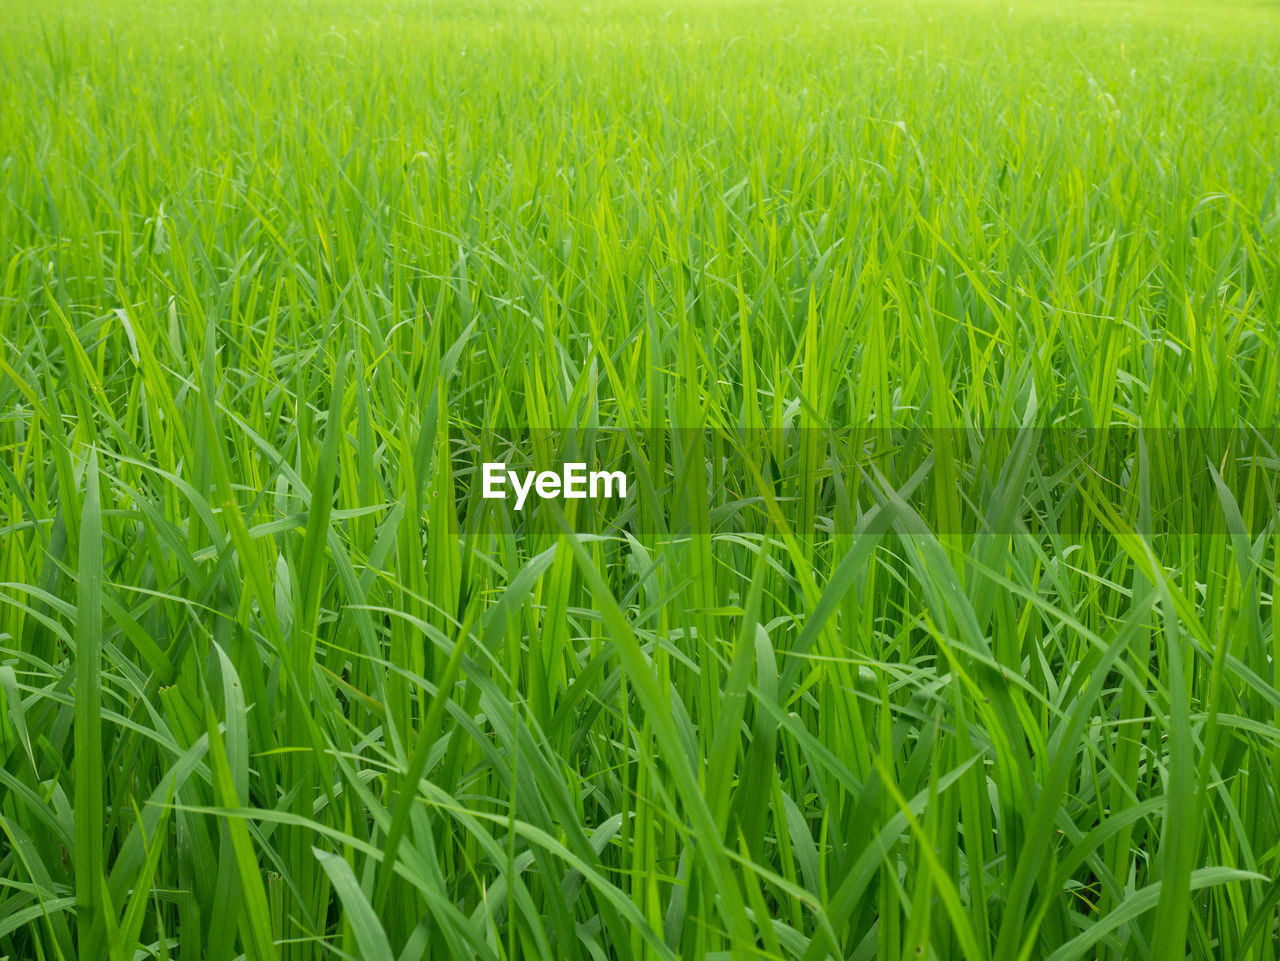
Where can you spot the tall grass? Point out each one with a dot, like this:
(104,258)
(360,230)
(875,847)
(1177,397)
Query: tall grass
(275,684)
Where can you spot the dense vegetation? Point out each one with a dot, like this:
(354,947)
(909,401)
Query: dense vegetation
(275,683)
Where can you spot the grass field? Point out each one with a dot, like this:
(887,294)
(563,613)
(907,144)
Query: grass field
(968,650)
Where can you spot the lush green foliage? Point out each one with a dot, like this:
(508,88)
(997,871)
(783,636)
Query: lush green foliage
(268,687)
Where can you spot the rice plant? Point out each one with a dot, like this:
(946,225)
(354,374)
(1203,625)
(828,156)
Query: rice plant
(937,343)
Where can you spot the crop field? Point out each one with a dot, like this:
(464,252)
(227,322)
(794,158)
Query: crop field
(938,344)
